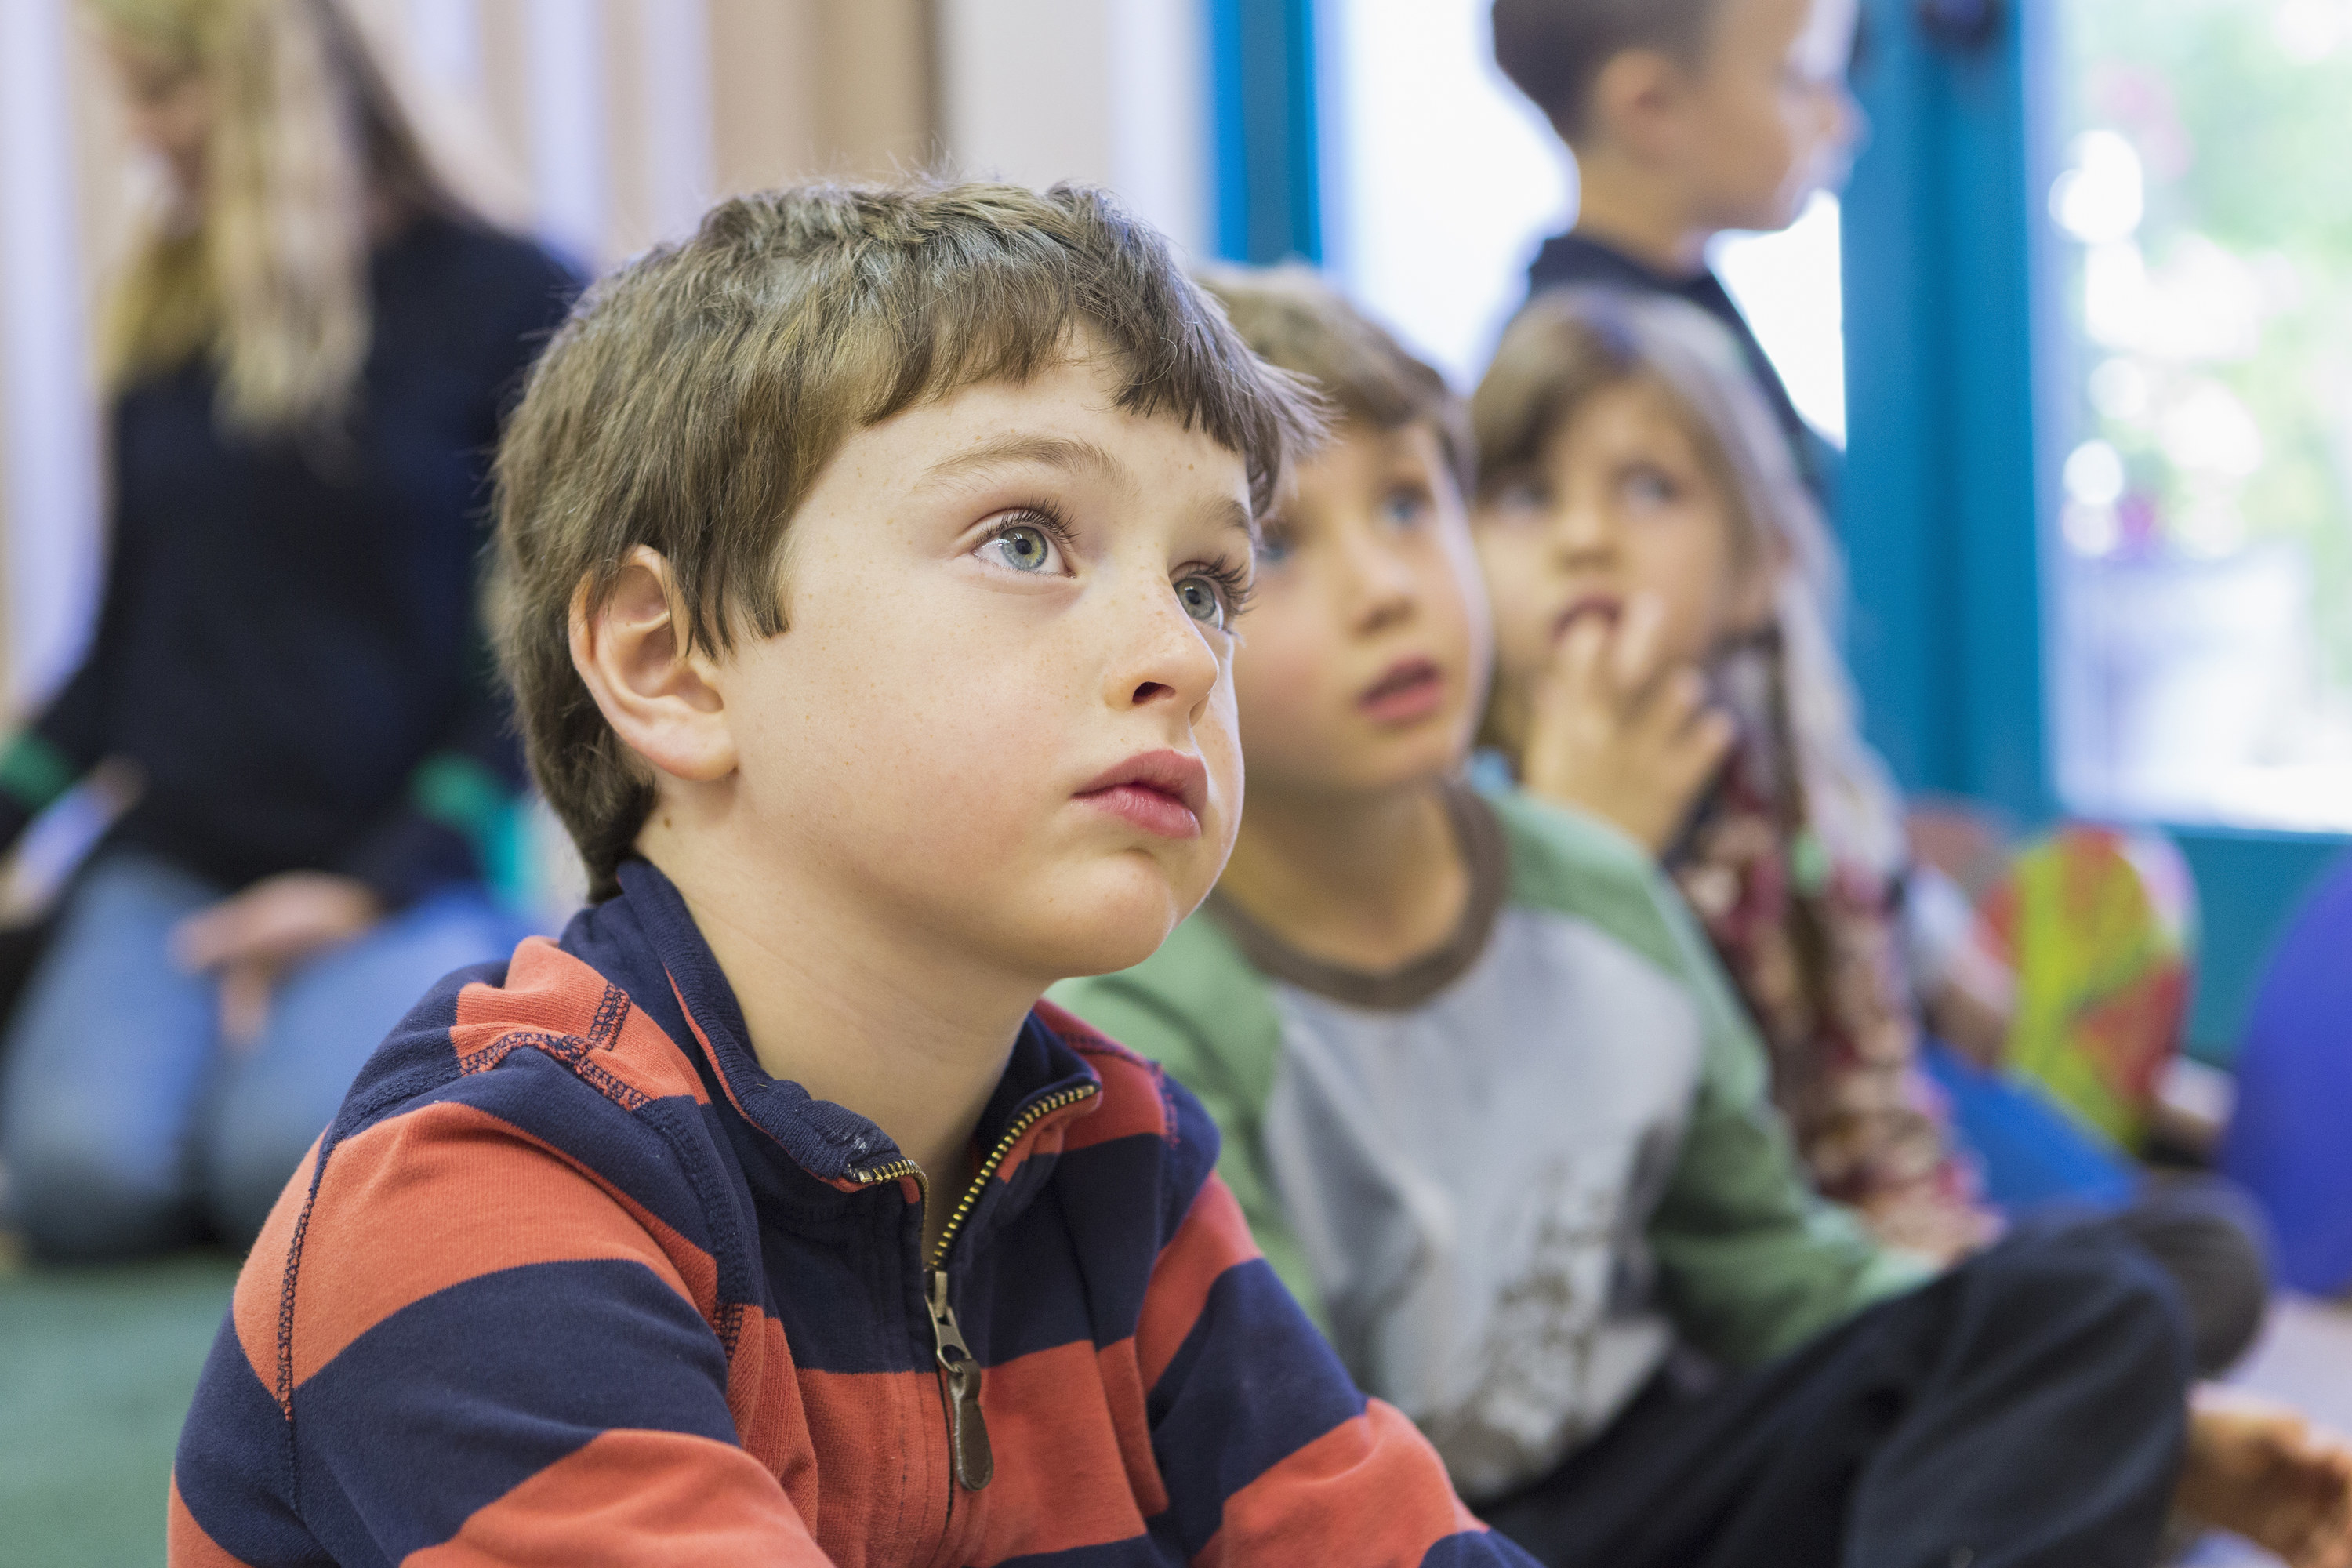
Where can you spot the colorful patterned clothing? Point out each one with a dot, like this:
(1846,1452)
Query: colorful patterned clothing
(572,1279)
(1815,948)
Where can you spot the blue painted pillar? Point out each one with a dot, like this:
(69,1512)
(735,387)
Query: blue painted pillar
(1267,132)
(1943,488)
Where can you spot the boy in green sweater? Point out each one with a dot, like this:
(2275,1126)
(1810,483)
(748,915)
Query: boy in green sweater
(1495,1118)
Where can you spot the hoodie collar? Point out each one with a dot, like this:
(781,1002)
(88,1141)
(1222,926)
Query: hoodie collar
(648,942)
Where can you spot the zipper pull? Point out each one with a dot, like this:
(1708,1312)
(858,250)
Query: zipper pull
(975,1464)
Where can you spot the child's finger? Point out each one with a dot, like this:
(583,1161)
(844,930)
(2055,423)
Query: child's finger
(1578,663)
(1639,643)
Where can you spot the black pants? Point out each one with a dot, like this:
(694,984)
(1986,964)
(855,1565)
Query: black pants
(2027,1408)
(2207,1235)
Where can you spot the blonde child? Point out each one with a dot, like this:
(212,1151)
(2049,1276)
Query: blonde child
(1662,588)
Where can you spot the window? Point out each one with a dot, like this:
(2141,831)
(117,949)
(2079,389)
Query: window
(1790,287)
(2203,557)
(1441,180)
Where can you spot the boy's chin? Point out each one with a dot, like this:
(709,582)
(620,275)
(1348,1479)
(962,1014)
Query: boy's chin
(1403,765)
(1114,925)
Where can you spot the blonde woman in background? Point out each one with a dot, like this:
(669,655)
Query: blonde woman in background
(308,359)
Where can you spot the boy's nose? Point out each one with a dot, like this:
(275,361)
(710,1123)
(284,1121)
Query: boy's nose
(1384,587)
(1167,659)
(1581,534)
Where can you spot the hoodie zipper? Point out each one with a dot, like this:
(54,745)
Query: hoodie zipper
(974,1461)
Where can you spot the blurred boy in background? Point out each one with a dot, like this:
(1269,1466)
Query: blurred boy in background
(1689,118)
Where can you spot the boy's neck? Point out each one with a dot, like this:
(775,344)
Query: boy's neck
(845,1002)
(1369,882)
(1636,212)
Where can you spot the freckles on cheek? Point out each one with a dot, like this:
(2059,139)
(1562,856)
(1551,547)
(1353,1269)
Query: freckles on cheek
(954,735)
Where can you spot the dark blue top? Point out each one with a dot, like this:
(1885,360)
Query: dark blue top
(288,648)
(1573,259)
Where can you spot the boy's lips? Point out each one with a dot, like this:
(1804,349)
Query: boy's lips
(1608,606)
(1412,688)
(1163,792)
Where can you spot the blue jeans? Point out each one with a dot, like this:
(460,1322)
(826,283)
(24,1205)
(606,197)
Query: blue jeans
(126,1125)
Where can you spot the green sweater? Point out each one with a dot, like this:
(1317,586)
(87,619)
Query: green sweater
(1507,1178)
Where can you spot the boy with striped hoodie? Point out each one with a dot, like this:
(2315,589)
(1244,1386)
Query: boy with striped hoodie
(869,564)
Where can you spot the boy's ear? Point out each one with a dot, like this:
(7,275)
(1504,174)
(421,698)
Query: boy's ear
(662,698)
(1635,99)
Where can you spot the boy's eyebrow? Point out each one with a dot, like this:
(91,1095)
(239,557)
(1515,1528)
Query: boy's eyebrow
(1050,451)
(1072,455)
(1233,515)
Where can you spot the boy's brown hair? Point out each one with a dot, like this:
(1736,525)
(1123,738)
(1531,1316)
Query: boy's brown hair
(1293,319)
(693,397)
(1554,50)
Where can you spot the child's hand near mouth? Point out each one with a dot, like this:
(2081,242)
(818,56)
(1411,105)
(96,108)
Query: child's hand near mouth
(1617,731)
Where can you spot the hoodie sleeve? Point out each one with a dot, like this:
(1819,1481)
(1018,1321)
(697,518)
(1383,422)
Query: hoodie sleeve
(451,1346)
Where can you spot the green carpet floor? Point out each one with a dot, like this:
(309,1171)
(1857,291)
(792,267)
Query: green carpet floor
(96,1366)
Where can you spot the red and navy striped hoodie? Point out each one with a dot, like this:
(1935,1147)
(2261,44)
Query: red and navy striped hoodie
(570,1280)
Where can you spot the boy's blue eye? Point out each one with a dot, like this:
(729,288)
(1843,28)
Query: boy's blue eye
(1403,507)
(1024,549)
(1647,486)
(1203,600)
